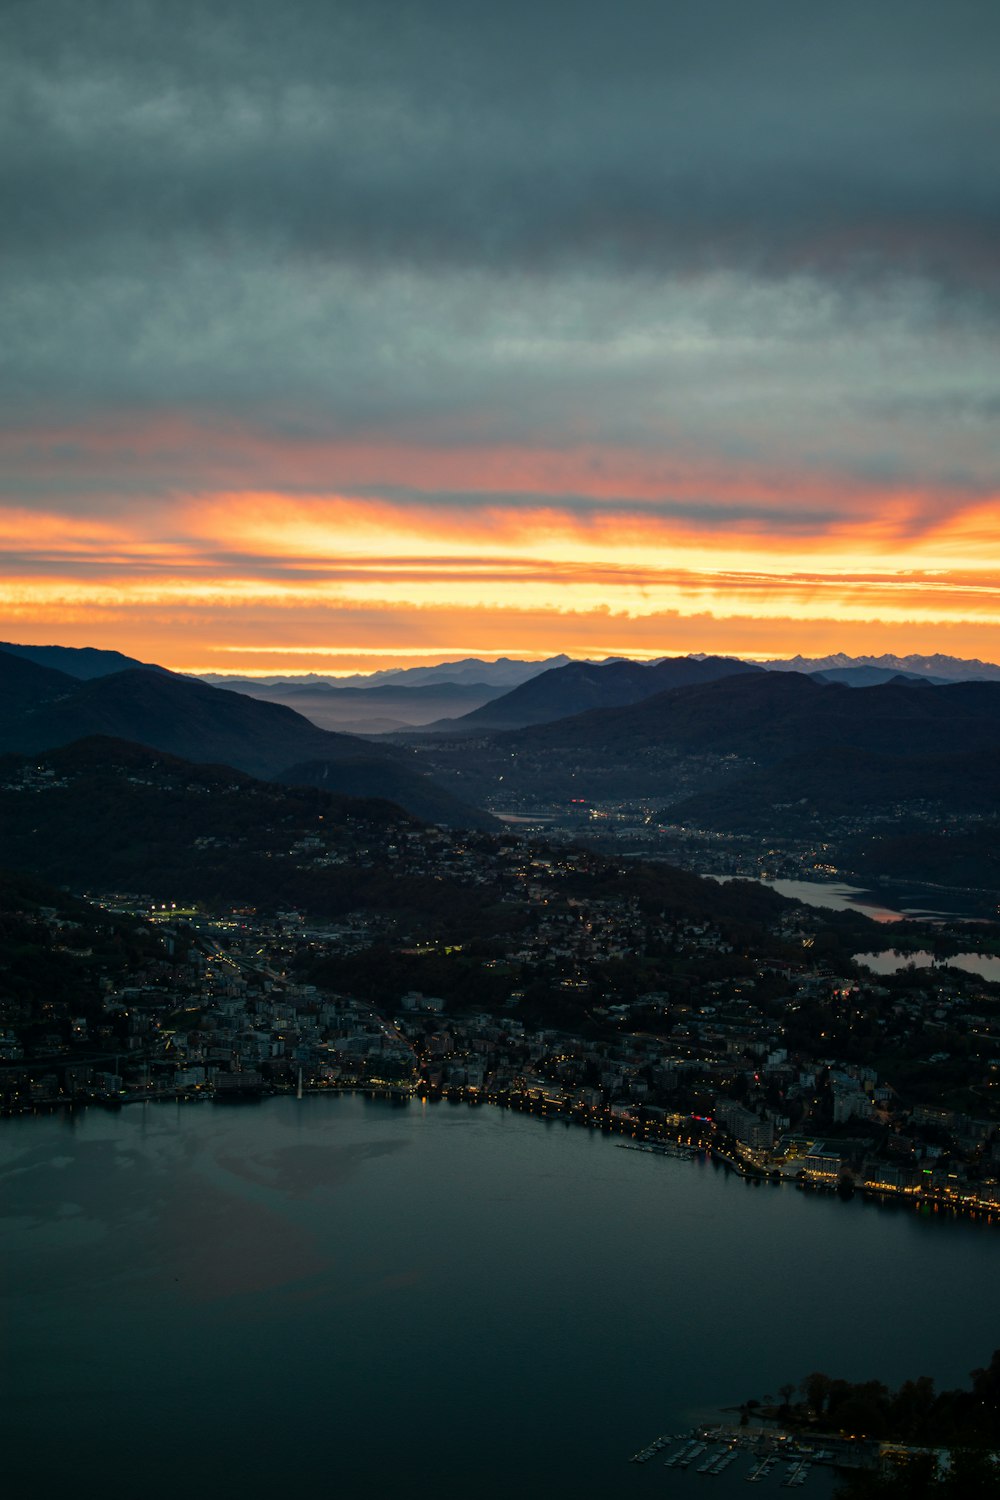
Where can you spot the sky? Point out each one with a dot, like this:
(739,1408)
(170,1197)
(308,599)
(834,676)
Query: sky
(345,334)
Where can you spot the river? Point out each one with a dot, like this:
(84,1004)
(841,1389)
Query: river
(353,1297)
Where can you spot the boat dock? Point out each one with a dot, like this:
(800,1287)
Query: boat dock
(763,1469)
(676,1149)
(714,1449)
(797,1474)
(645,1454)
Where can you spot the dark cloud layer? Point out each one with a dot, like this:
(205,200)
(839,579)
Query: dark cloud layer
(710,227)
(774,137)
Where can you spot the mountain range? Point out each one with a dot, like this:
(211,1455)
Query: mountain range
(946,668)
(42,708)
(582,685)
(78,661)
(473,696)
(382,709)
(764,716)
(716,742)
(118,815)
(838,781)
(705,739)
(110,815)
(503,673)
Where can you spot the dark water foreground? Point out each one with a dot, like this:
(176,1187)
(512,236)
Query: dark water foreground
(351,1297)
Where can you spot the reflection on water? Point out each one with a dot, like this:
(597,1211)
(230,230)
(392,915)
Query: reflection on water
(836,896)
(352,1296)
(892,960)
(833,895)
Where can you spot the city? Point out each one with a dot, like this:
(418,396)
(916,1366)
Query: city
(500,749)
(783,1057)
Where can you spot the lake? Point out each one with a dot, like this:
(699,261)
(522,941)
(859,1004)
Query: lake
(357,1297)
(892,960)
(832,895)
(900,901)
(835,895)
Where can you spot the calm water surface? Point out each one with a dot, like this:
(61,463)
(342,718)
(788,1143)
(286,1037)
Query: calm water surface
(892,960)
(363,1298)
(893,904)
(833,895)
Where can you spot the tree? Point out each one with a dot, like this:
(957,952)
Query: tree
(969,1474)
(916,1479)
(911,1406)
(972,1473)
(816,1388)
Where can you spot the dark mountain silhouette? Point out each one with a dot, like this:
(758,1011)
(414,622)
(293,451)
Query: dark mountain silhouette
(107,813)
(418,794)
(968,858)
(175,714)
(502,674)
(873,676)
(840,780)
(694,740)
(25,686)
(936,667)
(580,686)
(78,661)
(41,709)
(769,716)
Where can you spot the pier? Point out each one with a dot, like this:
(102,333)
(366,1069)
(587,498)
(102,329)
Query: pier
(719,1447)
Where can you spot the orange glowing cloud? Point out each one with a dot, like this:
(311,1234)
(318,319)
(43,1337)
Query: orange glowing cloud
(311,351)
(140,466)
(430,552)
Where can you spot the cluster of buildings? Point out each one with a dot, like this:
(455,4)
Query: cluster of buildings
(591,1006)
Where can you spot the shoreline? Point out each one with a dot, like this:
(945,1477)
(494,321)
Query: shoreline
(684,1145)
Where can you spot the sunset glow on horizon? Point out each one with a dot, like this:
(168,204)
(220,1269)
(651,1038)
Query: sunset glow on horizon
(317,361)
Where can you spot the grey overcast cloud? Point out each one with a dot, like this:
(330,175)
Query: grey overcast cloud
(535,282)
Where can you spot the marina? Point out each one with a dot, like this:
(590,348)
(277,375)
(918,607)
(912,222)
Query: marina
(645,1454)
(713,1449)
(797,1474)
(205,1242)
